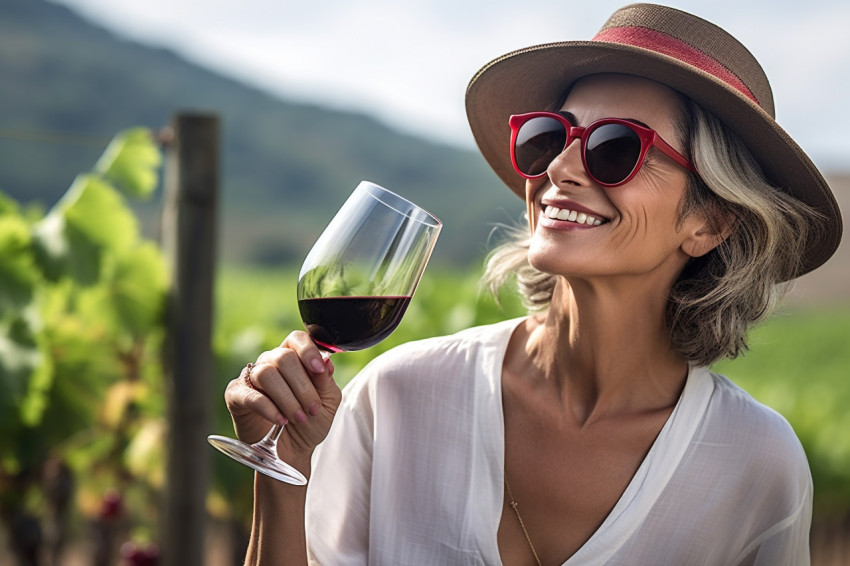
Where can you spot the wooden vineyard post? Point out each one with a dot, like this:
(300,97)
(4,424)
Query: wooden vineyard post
(189,230)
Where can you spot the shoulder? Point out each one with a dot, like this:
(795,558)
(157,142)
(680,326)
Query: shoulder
(749,461)
(751,418)
(765,445)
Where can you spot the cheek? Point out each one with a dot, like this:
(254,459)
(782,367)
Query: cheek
(651,211)
(648,230)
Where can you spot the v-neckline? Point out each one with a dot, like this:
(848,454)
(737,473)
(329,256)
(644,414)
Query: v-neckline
(648,482)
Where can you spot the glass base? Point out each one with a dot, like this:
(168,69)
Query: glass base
(259,458)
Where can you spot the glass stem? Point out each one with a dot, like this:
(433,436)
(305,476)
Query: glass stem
(269,441)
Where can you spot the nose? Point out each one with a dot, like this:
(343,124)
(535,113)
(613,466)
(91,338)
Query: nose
(567,167)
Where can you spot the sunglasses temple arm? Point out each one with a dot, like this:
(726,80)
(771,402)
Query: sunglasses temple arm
(673,154)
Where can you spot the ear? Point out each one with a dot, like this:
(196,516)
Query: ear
(703,235)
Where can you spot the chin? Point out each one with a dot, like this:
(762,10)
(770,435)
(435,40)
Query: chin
(556,261)
(547,260)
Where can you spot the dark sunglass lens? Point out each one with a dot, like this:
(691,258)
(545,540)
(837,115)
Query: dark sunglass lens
(612,152)
(538,142)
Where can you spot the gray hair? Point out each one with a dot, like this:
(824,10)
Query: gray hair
(720,296)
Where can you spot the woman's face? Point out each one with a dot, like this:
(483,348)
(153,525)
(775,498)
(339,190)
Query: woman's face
(640,231)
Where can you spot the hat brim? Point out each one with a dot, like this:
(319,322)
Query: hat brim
(534,79)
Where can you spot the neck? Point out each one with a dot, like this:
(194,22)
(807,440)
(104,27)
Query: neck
(605,350)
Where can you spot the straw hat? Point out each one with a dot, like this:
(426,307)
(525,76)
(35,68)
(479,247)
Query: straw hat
(674,48)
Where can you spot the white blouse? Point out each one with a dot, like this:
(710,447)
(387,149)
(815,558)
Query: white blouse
(412,471)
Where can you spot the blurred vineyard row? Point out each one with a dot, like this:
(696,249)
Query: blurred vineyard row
(82,398)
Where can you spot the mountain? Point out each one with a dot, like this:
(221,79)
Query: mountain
(69,85)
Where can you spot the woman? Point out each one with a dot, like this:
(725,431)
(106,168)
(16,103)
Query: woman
(665,207)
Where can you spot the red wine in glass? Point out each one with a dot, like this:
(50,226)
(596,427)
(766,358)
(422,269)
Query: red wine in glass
(343,324)
(353,290)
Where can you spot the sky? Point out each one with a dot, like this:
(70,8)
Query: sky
(407,62)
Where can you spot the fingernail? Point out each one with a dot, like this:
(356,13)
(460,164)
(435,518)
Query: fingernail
(300,416)
(315,406)
(281,420)
(317,366)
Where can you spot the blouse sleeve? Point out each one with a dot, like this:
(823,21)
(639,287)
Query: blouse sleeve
(787,543)
(338,494)
(784,484)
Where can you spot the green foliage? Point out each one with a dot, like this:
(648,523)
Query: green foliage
(81,302)
(18,272)
(131,162)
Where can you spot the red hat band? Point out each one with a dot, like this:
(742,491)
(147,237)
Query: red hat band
(660,42)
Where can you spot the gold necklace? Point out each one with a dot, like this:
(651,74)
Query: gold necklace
(514,506)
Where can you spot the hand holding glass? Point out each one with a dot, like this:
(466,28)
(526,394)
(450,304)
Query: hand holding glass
(353,290)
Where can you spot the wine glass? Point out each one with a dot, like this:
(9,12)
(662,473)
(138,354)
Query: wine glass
(353,289)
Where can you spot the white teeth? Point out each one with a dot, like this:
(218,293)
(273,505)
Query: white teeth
(571,215)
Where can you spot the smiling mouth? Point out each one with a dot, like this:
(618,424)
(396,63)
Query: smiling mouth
(567,215)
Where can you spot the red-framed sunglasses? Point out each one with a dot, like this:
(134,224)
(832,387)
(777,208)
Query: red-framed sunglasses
(612,150)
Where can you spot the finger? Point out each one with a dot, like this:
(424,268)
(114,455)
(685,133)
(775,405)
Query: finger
(292,362)
(242,401)
(319,364)
(324,382)
(260,404)
(283,378)
(291,366)
(307,350)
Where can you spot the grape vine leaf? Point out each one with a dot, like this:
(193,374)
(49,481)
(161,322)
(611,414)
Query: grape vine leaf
(22,367)
(137,284)
(131,161)
(18,273)
(90,219)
